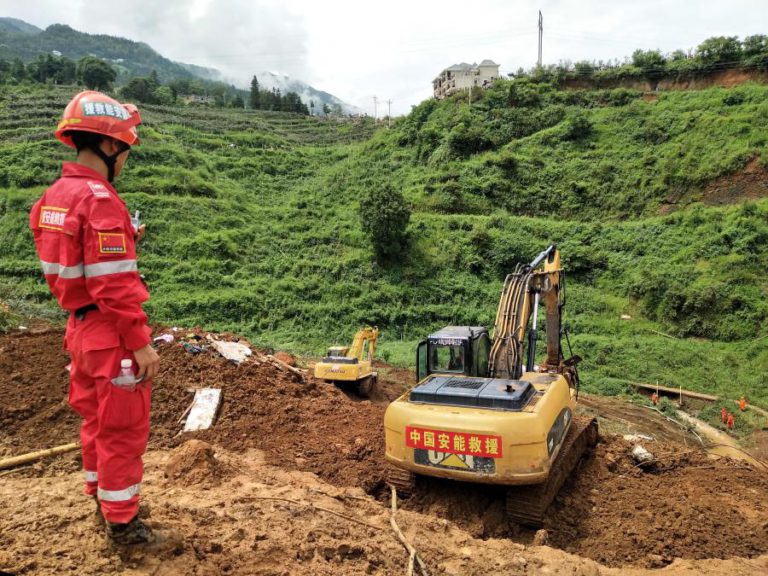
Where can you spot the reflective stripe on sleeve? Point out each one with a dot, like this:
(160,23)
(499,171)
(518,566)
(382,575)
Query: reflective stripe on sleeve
(91,476)
(75,271)
(119,495)
(114,267)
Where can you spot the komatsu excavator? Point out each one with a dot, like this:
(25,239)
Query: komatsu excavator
(352,366)
(481,412)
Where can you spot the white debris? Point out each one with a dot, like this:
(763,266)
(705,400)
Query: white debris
(641,455)
(204,408)
(635,438)
(234,351)
(626,317)
(168,338)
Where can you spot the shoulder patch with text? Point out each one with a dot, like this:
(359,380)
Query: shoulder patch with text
(111,243)
(52,218)
(98,189)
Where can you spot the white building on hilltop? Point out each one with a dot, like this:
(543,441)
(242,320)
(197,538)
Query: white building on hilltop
(464,76)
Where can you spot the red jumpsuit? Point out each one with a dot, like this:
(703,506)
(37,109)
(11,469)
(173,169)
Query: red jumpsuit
(86,245)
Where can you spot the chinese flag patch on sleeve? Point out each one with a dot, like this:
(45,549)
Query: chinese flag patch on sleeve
(111,243)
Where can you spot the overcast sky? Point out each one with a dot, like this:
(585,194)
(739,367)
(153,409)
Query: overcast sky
(360,49)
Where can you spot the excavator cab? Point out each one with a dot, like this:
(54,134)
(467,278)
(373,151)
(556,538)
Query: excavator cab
(335,352)
(454,350)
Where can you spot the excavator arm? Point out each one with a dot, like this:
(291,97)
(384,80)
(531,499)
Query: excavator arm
(521,295)
(370,335)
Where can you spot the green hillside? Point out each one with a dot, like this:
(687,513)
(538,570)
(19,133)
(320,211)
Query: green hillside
(21,40)
(253,223)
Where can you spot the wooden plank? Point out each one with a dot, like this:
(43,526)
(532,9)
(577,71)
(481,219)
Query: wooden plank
(676,391)
(39,455)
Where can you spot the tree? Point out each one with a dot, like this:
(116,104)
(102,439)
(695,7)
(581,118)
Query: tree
(720,52)
(255,97)
(326,108)
(756,51)
(139,89)
(237,102)
(164,95)
(18,71)
(384,216)
(95,73)
(651,62)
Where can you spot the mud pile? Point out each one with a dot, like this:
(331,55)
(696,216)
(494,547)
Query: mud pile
(301,424)
(685,506)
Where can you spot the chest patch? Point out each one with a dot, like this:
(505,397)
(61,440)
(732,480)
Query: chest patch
(52,218)
(111,243)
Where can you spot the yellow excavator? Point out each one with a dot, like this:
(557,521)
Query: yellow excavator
(352,366)
(481,412)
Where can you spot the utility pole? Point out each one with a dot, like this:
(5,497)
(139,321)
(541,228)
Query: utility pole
(389,114)
(541,35)
(375,109)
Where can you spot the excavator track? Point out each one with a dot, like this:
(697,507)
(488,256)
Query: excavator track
(366,385)
(527,505)
(403,480)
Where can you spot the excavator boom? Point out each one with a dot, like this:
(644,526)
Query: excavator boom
(520,297)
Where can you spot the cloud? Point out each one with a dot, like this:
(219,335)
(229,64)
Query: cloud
(357,49)
(238,37)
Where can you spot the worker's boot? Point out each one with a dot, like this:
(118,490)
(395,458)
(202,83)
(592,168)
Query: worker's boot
(132,533)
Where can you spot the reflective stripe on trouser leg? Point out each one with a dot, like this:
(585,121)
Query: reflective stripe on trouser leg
(119,495)
(91,482)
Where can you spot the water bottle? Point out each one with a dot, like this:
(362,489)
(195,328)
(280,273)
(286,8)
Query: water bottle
(135,221)
(127,379)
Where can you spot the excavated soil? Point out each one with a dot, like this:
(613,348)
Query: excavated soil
(247,496)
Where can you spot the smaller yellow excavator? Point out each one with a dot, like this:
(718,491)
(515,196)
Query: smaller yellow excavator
(352,366)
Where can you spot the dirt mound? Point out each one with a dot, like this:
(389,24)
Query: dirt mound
(686,506)
(194,462)
(301,424)
(289,359)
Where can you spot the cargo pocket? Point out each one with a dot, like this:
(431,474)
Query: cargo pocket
(124,410)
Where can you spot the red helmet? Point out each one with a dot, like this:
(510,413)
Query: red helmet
(92,111)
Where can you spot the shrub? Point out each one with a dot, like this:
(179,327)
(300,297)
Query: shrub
(384,215)
(578,126)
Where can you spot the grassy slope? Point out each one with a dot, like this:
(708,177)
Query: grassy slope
(253,225)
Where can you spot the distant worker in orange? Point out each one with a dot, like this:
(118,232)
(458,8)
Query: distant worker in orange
(724,415)
(655,398)
(743,404)
(730,421)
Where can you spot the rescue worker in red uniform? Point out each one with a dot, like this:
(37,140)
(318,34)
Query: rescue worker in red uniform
(86,243)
